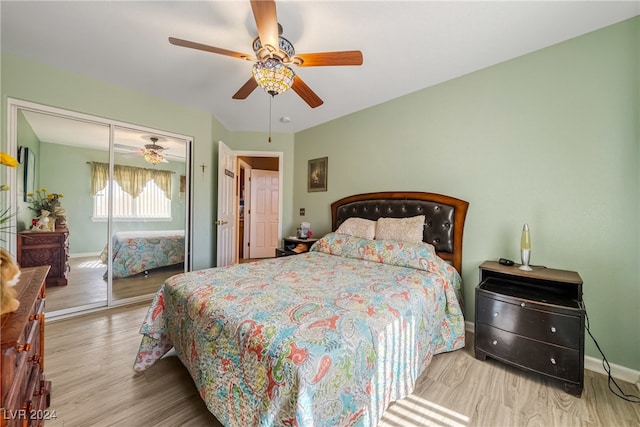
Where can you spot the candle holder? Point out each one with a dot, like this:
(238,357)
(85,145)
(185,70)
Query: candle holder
(525,248)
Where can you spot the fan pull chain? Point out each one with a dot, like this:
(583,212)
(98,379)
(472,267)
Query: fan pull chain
(270,99)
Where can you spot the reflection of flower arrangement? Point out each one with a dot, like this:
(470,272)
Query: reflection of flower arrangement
(43,201)
(6,214)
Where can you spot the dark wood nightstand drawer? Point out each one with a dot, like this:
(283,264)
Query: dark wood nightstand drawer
(294,246)
(556,361)
(529,319)
(283,252)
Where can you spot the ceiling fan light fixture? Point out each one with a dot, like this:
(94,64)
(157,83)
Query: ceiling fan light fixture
(273,76)
(153,157)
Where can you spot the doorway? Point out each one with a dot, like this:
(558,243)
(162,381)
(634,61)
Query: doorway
(258,190)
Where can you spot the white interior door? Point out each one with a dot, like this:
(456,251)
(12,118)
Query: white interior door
(264,218)
(226,220)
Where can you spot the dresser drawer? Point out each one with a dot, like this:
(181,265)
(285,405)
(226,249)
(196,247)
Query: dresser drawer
(22,385)
(522,318)
(559,362)
(27,357)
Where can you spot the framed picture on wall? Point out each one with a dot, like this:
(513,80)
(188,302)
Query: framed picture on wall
(317,174)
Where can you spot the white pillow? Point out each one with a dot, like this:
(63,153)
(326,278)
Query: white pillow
(401,229)
(358,227)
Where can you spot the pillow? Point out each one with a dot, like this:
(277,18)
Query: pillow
(358,227)
(402,229)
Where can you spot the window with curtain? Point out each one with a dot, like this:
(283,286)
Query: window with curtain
(138,193)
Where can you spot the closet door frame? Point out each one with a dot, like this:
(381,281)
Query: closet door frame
(10,198)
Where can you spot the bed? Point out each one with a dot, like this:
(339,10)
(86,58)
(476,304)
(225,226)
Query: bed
(329,337)
(135,252)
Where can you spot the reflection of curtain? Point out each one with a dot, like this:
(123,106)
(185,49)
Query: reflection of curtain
(99,176)
(131,179)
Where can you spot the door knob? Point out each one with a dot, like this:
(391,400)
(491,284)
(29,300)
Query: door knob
(220,222)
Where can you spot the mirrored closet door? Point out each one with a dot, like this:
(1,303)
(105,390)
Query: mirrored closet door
(119,199)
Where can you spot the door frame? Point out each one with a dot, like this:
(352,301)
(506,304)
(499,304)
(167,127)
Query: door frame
(280,156)
(243,238)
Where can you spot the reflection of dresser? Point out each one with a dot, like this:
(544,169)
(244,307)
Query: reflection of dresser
(46,248)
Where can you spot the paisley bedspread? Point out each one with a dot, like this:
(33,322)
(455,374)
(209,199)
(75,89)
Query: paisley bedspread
(326,338)
(138,251)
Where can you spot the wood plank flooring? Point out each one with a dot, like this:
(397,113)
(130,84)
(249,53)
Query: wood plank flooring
(89,360)
(86,284)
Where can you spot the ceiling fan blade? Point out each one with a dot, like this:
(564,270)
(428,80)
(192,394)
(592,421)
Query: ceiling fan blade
(264,12)
(207,48)
(130,155)
(123,147)
(305,92)
(246,89)
(320,59)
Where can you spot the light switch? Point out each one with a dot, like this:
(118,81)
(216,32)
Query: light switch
(301,211)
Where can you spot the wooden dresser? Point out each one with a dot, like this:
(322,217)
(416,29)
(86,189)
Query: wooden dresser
(533,320)
(50,248)
(24,392)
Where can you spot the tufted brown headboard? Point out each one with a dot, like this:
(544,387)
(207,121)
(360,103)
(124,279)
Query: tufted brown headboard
(444,216)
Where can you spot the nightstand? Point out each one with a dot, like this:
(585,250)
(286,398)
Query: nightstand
(290,245)
(533,320)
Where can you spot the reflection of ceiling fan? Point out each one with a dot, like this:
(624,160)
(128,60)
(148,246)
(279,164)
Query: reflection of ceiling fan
(152,153)
(274,54)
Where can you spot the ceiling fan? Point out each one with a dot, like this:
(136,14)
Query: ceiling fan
(152,153)
(274,56)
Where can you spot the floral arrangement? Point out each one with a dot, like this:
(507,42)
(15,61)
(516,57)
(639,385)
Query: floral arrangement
(41,201)
(6,214)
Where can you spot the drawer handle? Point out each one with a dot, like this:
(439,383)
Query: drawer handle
(495,314)
(25,347)
(522,304)
(34,317)
(553,329)
(495,342)
(553,361)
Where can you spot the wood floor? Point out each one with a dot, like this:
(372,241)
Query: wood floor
(89,360)
(86,284)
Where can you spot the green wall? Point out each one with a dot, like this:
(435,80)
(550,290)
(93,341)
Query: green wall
(550,139)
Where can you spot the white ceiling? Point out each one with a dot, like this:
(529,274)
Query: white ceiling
(407,46)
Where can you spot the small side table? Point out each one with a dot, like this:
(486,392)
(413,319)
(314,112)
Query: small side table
(295,246)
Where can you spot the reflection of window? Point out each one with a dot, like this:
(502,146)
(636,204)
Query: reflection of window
(151,203)
(138,193)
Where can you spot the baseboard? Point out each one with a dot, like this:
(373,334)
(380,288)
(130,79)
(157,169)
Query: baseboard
(84,254)
(591,363)
(617,371)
